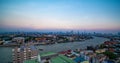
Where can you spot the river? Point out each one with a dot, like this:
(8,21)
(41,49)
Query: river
(6,52)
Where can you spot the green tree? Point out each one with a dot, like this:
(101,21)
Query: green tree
(111,55)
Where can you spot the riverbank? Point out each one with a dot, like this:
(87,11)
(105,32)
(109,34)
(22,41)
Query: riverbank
(8,45)
(6,52)
(42,43)
(71,45)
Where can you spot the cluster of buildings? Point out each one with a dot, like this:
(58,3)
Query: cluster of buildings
(86,56)
(113,47)
(37,38)
(28,53)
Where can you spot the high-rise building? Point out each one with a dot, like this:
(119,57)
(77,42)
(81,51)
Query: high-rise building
(24,52)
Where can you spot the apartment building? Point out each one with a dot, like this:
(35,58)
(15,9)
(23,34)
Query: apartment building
(24,52)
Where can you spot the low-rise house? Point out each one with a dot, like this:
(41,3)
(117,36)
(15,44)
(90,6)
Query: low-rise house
(100,50)
(110,43)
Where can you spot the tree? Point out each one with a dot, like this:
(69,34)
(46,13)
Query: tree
(111,55)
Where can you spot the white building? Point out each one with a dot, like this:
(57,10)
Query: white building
(19,40)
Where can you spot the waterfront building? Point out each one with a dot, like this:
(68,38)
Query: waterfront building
(40,39)
(19,40)
(100,50)
(109,43)
(1,42)
(24,52)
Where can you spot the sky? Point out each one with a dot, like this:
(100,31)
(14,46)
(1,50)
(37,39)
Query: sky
(57,15)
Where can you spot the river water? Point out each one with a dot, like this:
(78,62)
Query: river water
(6,52)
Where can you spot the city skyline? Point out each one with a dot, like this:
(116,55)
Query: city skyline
(60,15)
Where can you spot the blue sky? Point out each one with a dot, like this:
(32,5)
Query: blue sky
(60,15)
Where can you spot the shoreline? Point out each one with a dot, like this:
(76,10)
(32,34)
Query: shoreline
(6,52)
(9,45)
(37,44)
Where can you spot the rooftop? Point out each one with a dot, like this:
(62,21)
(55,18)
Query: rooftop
(30,61)
(61,59)
(47,54)
(57,59)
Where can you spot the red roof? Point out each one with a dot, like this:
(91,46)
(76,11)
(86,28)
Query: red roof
(110,42)
(65,52)
(111,49)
